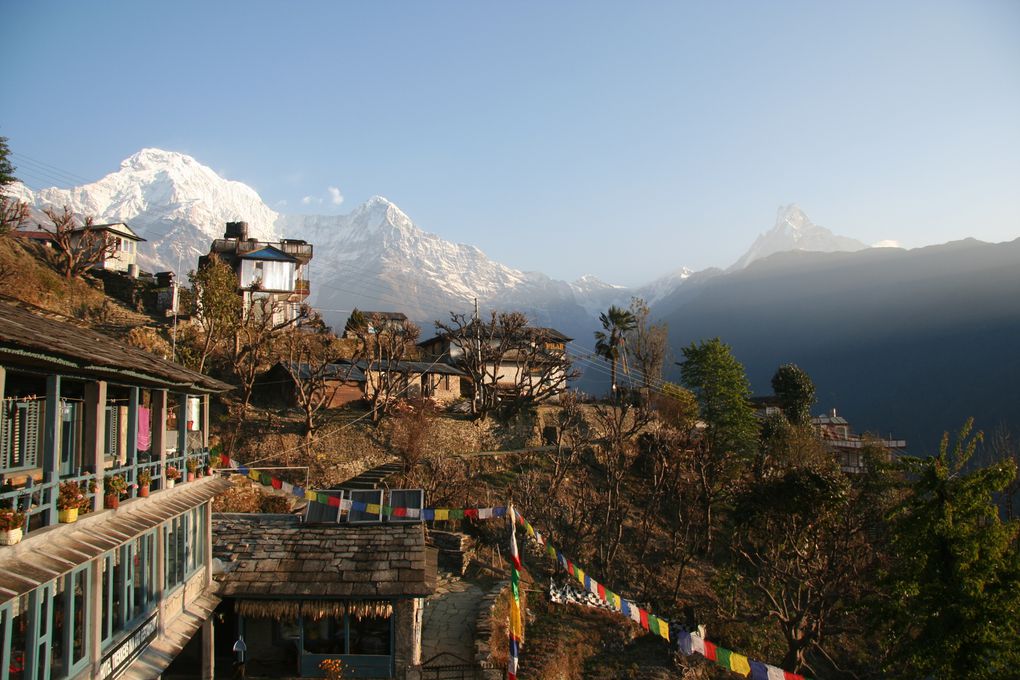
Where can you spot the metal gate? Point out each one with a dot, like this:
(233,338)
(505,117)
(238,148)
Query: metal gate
(448,666)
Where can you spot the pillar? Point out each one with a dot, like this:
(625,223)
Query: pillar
(158,422)
(182,427)
(96,612)
(208,649)
(94,446)
(51,446)
(205,421)
(132,438)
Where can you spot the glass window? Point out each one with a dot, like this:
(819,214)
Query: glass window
(369,635)
(325,636)
(15,622)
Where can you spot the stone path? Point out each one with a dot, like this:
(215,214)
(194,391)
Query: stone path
(449,621)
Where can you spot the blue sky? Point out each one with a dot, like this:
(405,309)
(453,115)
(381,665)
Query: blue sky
(619,139)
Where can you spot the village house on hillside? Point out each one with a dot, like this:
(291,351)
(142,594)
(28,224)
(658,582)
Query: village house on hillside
(848,446)
(837,435)
(109,572)
(539,356)
(274,270)
(376,322)
(300,593)
(121,256)
(346,382)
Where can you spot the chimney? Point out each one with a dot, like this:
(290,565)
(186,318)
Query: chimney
(833,413)
(238,230)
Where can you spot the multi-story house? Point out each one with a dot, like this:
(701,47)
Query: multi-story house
(272,271)
(100,587)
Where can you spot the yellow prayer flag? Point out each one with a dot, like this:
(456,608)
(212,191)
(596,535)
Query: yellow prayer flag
(254,475)
(664,633)
(311,496)
(372,508)
(580,574)
(442,513)
(738,664)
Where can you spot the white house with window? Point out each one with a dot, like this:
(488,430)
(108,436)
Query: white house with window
(125,240)
(119,591)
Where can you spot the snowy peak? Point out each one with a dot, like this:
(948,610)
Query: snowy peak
(793,230)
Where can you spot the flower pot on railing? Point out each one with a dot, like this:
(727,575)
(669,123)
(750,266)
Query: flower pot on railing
(143,491)
(170,483)
(144,481)
(10,526)
(191,476)
(111,501)
(67,515)
(11,536)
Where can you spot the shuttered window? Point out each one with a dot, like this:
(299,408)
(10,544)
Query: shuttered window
(112,432)
(19,435)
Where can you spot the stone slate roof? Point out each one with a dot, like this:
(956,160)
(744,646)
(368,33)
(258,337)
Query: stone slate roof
(43,340)
(277,556)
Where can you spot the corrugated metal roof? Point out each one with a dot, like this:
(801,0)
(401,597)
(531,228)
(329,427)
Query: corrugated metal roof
(269,253)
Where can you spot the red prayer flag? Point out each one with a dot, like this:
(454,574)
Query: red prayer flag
(709,651)
(277,483)
(602,591)
(334,501)
(400,512)
(644,618)
(792,676)
(471,512)
(224,460)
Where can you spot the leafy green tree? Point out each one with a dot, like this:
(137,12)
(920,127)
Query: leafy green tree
(6,166)
(796,393)
(218,306)
(954,584)
(717,379)
(13,213)
(609,342)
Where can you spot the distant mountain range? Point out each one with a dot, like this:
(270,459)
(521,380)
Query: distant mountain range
(374,257)
(911,341)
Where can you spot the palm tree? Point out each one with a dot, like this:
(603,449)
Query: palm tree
(617,322)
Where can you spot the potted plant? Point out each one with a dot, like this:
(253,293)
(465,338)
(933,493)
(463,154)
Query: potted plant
(144,482)
(191,464)
(88,490)
(69,499)
(172,475)
(334,668)
(11,522)
(113,487)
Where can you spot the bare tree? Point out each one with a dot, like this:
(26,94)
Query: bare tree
(309,352)
(79,245)
(256,334)
(13,214)
(647,345)
(510,363)
(382,347)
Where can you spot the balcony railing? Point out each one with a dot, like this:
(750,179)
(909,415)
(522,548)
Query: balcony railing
(38,500)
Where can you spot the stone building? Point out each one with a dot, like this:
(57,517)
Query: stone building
(299,593)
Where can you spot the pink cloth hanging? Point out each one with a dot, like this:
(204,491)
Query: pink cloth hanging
(144,428)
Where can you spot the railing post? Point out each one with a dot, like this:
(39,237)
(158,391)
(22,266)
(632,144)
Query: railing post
(158,420)
(51,449)
(132,440)
(95,435)
(205,421)
(182,432)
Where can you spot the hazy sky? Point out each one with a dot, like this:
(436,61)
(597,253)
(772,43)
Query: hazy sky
(619,139)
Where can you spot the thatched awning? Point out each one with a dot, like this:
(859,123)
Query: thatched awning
(290,610)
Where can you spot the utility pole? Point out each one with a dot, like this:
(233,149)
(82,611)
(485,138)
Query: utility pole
(478,357)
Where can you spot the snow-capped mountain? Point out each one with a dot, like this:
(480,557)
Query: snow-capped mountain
(177,204)
(372,258)
(794,231)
